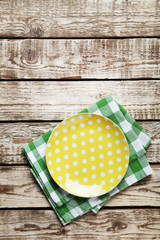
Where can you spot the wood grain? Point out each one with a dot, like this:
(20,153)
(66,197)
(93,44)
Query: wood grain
(132,214)
(132,224)
(14,136)
(19,189)
(85,59)
(58,18)
(56,100)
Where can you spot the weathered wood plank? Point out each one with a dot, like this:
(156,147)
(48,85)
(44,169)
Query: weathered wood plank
(14,136)
(91,58)
(113,224)
(19,189)
(46,100)
(58,18)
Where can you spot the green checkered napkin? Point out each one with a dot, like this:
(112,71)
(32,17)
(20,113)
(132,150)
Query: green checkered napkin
(69,207)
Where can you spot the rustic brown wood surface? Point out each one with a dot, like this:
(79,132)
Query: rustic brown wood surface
(56,58)
(16,135)
(91,58)
(87,18)
(57,100)
(109,224)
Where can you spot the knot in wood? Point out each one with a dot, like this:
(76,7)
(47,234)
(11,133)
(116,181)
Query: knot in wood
(30,52)
(117,226)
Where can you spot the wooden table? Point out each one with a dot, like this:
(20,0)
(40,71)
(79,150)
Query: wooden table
(56,58)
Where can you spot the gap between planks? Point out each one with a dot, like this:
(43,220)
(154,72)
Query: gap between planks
(78,79)
(104,207)
(78,38)
(60,120)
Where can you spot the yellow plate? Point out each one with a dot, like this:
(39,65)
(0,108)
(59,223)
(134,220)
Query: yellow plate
(87,155)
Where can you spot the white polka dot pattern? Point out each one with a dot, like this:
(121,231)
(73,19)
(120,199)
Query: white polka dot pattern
(87,155)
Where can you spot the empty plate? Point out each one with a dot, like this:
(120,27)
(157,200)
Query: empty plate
(87,155)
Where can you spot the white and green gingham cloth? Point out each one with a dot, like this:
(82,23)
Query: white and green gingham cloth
(69,207)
